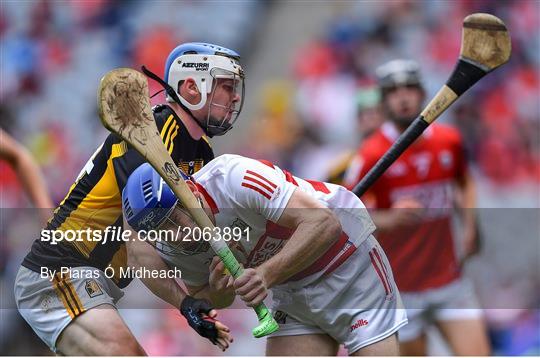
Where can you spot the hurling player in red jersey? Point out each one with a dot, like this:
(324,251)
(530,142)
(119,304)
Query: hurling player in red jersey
(422,188)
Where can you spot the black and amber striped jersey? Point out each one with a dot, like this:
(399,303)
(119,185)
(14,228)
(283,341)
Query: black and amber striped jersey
(93,202)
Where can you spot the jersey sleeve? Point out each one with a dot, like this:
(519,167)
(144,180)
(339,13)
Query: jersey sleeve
(255,186)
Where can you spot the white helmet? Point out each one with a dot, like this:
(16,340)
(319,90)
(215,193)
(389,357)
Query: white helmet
(206,64)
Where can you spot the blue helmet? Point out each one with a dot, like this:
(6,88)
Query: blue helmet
(147,202)
(146,199)
(207,64)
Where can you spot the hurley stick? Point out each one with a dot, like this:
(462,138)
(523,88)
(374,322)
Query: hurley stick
(124,109)
(485,45)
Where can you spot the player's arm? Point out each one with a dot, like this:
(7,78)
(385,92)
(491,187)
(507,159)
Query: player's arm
(405,213)
(199,313)
(27,170)
(316,229)
(219,289)
(263,189)
(468,215)
(142,255)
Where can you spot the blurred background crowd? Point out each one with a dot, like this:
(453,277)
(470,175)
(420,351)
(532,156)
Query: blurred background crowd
(310,69)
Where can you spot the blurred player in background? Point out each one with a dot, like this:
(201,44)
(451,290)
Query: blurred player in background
(309,242)
(415,198)
(28,173)
(370,113)
(205,87)
(369,118)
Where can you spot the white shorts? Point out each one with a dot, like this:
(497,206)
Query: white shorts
(455,301)
(50,304)
(358,304)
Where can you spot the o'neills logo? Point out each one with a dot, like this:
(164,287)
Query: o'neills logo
(358,324)
(198,66)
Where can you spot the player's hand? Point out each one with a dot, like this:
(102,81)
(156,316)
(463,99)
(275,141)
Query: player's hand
(220,281)
(202,318)
(251,287)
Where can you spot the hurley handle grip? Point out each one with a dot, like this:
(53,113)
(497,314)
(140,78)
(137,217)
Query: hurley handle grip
(267,323)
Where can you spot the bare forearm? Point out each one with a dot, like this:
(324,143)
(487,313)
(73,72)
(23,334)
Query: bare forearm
(310,240)
(219,299)
(142,255)
(32,181)
(469,201)
(27,170)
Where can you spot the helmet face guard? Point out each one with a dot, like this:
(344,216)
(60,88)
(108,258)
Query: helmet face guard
(149,205)
(182,244)
(227,99)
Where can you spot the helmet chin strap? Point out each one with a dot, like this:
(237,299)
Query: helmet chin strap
(172,93)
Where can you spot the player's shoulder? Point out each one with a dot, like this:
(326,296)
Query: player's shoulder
(375,145)
(377,138)
(234,162)
(235,167)
(224,163)
(161,111)
(164,117)
(240,179)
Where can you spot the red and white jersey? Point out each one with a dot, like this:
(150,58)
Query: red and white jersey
(253,194)
(422,257)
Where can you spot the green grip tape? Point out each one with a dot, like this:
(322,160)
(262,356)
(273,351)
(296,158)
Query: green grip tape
(230,262)
(267,323)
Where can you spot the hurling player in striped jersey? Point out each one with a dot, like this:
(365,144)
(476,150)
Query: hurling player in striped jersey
(308,242)
(74,313)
